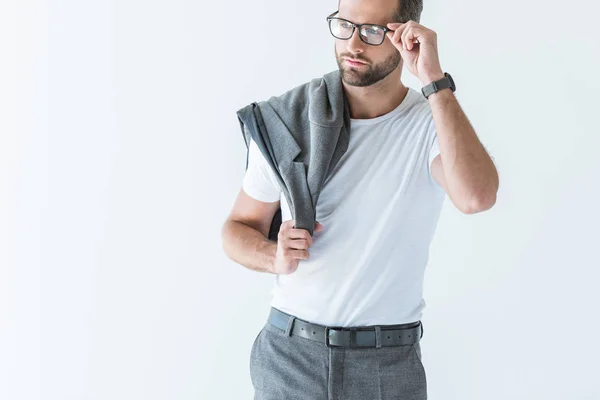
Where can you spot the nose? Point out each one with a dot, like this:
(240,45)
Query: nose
(355,44)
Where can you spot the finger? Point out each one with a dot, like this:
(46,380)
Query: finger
(284,228)
(307,238)
(299,244)
(299,233)
(414,36)
(391,34)
(397,35)
(401,40)
(394,26)
(299,254)
(406,38)
(410,39)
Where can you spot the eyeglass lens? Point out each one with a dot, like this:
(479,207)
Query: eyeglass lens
(341,29)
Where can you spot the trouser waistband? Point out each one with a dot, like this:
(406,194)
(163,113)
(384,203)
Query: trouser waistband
(335,336)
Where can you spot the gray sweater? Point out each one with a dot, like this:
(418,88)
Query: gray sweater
(302,133)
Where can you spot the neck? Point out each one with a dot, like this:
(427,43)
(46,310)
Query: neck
(378,99)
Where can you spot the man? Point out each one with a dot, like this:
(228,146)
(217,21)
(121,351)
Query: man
(345,317)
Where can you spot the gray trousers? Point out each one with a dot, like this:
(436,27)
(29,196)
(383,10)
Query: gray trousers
(286,367)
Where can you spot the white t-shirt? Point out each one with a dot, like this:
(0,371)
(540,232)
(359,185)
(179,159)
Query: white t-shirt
(379,209)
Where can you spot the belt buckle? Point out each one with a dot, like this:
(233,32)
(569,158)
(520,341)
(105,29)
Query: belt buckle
(342,329)
(327,329)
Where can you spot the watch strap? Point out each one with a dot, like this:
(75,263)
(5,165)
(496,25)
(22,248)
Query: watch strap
(438,85)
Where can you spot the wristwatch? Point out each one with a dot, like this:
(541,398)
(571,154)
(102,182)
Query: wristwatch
(434,87)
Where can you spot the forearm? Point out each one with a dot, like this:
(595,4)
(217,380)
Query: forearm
(248,246)
(470,173)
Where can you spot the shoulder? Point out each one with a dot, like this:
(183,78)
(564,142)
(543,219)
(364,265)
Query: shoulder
(307,86)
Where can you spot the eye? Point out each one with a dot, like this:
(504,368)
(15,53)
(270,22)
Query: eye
(371,30)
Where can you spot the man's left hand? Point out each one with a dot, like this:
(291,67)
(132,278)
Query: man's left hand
(418,48)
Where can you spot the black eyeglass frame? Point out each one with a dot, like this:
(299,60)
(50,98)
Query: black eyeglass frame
(354,26)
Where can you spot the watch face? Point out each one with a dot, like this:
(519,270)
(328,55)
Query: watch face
(451,81)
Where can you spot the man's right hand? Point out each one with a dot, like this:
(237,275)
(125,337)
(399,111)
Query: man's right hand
(292,246)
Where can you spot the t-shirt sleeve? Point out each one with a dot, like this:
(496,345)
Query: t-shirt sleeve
(259,181)
(434,149)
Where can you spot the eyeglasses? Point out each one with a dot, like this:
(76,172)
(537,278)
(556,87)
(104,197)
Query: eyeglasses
(369,33)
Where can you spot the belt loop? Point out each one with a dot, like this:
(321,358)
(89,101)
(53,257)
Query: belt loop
(378,337)
(288,329)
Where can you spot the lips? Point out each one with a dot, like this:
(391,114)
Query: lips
(354,61)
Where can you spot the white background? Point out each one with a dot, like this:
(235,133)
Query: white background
(121,156)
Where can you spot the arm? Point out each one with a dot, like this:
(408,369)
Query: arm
(244,233)
(463,168)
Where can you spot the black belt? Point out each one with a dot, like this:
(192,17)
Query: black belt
(362,336)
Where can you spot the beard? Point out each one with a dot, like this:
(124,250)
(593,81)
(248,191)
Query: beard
(369,74)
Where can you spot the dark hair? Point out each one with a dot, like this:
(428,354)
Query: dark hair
(406,10)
